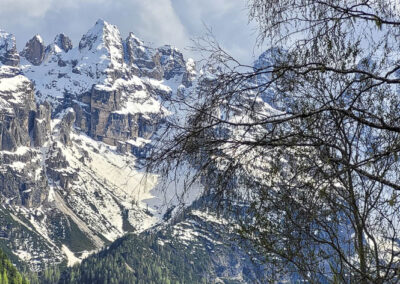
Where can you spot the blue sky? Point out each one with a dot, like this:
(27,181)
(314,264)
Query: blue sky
(159,22)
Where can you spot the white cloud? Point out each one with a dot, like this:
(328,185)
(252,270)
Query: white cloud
(30,8)
(159,21)
(228,20)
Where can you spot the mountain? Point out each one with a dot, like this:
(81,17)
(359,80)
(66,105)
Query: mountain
(75,123)
(193,248)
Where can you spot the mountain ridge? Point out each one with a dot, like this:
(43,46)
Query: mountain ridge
(77,122)
(74,116)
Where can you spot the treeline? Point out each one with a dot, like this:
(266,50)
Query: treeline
(141,260)
(8,273)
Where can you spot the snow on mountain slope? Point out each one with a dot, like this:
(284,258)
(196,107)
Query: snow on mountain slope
(70,177)
(8,51)
(75,122)
(12,91)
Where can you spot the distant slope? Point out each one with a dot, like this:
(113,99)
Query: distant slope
(135,259)
(194,248)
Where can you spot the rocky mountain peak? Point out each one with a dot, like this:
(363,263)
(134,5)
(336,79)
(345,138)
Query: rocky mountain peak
(34,50)
(104,38)
(142,57)
(8,50)
(268,58)
(73,125)
(93,35)
(172,61)
(132,38)
(63,42)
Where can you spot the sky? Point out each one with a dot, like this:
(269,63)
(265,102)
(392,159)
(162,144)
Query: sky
(156,22)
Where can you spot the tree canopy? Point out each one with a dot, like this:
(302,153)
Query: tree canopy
(308,137)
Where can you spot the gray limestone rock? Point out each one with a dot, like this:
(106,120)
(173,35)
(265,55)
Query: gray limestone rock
(34,50)
(103,102)
(16,107)
(8,49)
(56,164)
(109,125)
(41,125)
(21,179)
(67,123)
(63,42)
(144,59)
(98,88)
(172,61)
(7,141)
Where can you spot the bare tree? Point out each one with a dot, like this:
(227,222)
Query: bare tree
(319,170)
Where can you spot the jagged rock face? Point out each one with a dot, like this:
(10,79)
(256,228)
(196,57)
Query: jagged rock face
(111,101)
(16,106)
(190,73)
(22,181)
(142,59)
(72,123)
(104,38)
(103,103)
(63,42)
(112,121)
(53,52)
(41,125)
(8,50)
(172,61)
(67,123)
(34,50)
(21,122)
(165,62)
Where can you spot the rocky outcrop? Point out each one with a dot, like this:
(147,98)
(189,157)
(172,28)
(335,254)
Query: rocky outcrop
(103,102)
(63,42)
(56,169)
(53,52)
(8,50)
(56,164)
(172,62)
(143,60)
(165,62)
(22,181)
(34,50)
(109,125)
(82,109)
(105,39)
(110,101)
(16,107)
(41,125)
(67,123)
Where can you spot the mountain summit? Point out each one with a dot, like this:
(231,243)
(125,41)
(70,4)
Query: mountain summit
(74,122)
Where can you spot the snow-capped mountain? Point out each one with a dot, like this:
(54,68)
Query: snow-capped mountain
(74,121)
(74,124)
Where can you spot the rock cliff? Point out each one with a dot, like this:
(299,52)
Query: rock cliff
(73,122)
(34,50)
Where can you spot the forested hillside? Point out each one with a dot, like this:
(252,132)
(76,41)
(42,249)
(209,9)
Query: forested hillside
(195,247)
(8,273)
(140,260)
